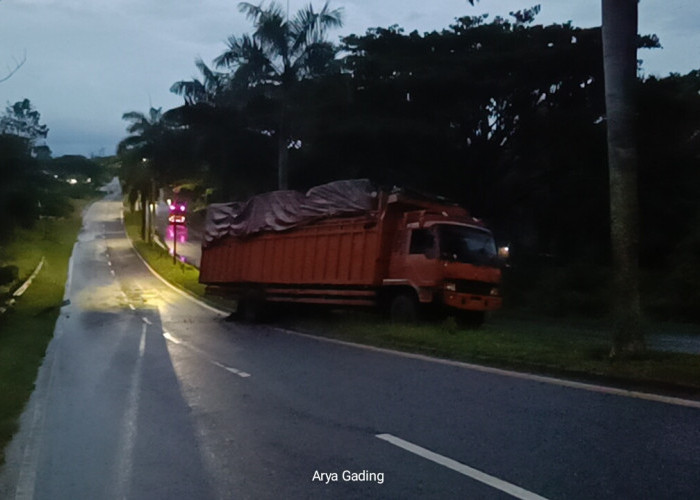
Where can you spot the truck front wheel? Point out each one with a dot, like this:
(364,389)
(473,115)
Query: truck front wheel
(404,308)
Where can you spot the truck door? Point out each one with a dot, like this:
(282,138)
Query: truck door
(421,264)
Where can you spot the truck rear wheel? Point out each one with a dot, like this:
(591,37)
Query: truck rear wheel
(250,310)
(404,308)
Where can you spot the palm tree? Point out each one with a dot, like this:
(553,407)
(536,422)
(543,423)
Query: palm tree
(198,91)
(139,159)
(619,30)
(280,53)
(620,64)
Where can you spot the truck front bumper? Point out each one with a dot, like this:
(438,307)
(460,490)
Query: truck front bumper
(472,302)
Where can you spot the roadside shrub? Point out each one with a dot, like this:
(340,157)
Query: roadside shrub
(557,290)
(8,274)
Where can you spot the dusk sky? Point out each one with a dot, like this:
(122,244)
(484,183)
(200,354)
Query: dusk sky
(89,61)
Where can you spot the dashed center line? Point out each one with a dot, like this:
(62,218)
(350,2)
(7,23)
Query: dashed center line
(147,321)
(482,477)
(229,369)
(171,338)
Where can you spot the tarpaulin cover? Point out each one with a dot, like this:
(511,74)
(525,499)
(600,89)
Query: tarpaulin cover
(281,210)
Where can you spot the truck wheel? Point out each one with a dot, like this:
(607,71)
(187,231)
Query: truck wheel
(404,308)
(470,320)
(250,310)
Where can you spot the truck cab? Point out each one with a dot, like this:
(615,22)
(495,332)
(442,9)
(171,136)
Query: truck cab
(445,261)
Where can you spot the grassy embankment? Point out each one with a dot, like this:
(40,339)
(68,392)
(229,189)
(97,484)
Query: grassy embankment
(26,328)
(576,348)
(565,346)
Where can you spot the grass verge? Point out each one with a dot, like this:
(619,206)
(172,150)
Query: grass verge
(577,347)
(27,328)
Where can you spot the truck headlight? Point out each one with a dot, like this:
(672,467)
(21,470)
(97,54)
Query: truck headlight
(450,286)
(494,291)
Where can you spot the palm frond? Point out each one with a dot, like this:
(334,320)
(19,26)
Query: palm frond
(133,116)
(193,91)
(249,60)
(317,59)
(309,27)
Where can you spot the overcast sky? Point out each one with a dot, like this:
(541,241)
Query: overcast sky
(89,61)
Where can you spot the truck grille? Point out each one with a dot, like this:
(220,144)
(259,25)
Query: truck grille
(475,287)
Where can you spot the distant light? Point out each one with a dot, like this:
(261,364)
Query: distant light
(169,202)
(182,208)
(172,207)
(89,180)
(72,181)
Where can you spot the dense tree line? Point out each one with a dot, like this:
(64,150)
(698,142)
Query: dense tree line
(33,183)
(500,114)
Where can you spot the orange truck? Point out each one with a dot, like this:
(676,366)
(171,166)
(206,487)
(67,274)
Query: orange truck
(348,243)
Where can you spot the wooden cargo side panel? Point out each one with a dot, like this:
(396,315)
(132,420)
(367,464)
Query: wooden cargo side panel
(331,261)
(344,257)
(333,252)
(321,258)
(216,264)
(310,244)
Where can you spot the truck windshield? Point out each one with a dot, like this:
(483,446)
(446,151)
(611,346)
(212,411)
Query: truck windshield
(466,244)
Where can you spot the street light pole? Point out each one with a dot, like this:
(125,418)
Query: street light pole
(153,208)
(174,242)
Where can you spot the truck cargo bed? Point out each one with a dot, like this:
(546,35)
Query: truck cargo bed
(331,252)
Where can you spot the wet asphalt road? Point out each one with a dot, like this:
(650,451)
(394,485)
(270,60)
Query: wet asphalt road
(147,395)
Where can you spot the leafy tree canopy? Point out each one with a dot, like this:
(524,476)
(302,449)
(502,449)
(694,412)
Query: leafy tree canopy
(22,120)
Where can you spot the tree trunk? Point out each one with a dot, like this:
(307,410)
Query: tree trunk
(620,64)
(283,149)
(144,207)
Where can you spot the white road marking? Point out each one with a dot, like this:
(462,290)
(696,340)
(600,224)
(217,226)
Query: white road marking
(109,263)
(131,306)
(142,343)
(111,271)
(168,336)
(125,461)
(69,280)
(171,338)
(648,396)
(230,369)
(482,477)
(147,321)
(26,480)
